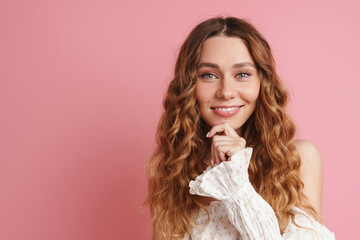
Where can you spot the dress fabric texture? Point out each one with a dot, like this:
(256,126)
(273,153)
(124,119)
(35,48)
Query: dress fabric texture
(240,212)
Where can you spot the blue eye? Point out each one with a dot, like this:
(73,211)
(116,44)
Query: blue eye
(243,75)
(208,76)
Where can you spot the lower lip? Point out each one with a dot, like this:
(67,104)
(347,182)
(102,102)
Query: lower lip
(227,113)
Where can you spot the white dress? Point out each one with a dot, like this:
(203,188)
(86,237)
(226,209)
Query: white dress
(241,213)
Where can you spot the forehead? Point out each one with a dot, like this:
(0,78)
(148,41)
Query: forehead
(221,49)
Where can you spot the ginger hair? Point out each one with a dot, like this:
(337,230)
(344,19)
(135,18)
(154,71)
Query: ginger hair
(274,169)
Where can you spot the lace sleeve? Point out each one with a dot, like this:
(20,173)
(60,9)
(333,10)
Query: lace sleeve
(252,216)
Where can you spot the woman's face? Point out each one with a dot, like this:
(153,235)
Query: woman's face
(227,85)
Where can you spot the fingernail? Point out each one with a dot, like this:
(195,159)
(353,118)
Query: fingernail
(207,135)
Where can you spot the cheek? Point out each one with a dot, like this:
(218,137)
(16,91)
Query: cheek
(254,96)
(250,94)
(201,95)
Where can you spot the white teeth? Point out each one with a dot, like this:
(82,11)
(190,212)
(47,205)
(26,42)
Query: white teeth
(226,109)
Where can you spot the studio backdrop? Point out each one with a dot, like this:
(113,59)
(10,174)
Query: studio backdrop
(81,88)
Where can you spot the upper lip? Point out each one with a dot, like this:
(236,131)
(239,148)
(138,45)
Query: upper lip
(227,106)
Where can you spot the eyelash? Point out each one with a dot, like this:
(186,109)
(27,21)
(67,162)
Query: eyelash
(206,75)
(247,74)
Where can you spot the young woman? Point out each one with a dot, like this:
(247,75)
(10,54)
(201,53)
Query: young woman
(227,165)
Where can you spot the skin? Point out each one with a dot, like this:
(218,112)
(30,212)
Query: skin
(227,76)
(311,173)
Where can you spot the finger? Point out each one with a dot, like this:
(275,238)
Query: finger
(239,140)
(219,138)
(222,154)
(225,140)
(226,128)
(217,155)
(231,150)
(227,148)
(222,147)
(243,142)
(216,129)
(226,151)
(214,153)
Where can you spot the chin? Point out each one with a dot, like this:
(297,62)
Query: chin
(236,127)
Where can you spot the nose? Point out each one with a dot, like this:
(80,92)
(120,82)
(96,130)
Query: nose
(226,89)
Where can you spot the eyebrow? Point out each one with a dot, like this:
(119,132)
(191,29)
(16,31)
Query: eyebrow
(236,65)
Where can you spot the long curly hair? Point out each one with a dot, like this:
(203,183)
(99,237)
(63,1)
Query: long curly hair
(274,169)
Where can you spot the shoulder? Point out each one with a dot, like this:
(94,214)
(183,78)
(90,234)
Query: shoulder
(311,162)
(309,153)
(311,171)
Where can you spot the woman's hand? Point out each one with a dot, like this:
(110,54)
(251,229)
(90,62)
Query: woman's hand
(225,145)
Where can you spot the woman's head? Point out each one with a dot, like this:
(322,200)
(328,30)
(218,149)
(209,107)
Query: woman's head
(240,42)
(227,85)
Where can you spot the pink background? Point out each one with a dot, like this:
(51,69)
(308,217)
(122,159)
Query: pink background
(81,85)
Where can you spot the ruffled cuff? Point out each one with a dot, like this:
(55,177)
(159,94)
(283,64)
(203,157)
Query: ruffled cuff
(229,182)
(225,179)
(252,216)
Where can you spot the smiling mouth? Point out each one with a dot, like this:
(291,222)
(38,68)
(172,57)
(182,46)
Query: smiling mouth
(226,109)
